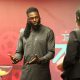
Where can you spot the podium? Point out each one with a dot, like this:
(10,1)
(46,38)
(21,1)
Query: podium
(4,70)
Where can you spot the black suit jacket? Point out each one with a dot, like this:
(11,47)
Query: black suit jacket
(71,62)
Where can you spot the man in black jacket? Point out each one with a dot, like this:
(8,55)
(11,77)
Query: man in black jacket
(71,62)
(37,45)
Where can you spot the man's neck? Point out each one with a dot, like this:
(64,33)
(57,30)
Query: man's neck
(35,28)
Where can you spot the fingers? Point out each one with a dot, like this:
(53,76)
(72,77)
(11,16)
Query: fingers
(60,67)
(11,56)
(33,60)
(14,59)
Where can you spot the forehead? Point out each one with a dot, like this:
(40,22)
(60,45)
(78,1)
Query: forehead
(33,14)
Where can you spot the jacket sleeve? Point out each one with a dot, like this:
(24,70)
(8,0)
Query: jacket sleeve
(71,51)
(19,49)
(50,48)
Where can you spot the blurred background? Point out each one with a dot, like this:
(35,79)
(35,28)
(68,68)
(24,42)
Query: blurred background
(59,15)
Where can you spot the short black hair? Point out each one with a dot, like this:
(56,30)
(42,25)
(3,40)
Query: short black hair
(78,15)
(32,9)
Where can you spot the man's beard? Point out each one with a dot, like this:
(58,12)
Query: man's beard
(28,28)
(35,26)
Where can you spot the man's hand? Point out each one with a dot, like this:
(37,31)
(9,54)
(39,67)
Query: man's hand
(34,60)
(60,67)
(14,59)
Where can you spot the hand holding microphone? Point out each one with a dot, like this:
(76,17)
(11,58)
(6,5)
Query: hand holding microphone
(34,60)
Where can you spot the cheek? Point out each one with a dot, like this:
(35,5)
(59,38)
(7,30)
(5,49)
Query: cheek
(37,20)
(31,21)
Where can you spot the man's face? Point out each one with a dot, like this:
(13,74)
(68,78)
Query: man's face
(34,18)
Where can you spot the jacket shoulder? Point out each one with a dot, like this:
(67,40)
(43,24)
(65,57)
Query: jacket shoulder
(21,32)
(75,35)
(46,28)
(78,34)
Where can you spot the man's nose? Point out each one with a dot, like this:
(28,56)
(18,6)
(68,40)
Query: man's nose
(34,19)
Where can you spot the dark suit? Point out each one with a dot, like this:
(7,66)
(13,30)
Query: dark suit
(71,62)
(39,42)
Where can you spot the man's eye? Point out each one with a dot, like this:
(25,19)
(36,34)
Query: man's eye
(33,17)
